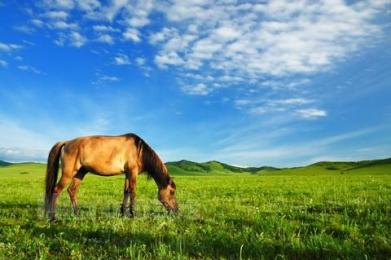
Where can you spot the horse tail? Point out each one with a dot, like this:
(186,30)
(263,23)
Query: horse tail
(52,172)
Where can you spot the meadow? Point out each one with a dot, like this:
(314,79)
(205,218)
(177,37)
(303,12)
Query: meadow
(291,214)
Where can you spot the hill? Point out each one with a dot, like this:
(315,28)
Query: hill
(374,167)
(4,163)
(213,168)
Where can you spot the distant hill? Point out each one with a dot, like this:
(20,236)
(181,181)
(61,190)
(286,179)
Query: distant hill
(4,163)
(185,167)
(213,168)
(375,167)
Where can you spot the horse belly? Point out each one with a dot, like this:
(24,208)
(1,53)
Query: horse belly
(105,168)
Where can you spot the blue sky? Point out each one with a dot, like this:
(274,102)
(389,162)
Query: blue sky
(250,83)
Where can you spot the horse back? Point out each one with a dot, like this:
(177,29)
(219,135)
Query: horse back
(104,155)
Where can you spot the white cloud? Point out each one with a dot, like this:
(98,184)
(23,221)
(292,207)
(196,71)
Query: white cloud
(21,144)
(108,78)
(292,101)
(121,59)
(132,35)
(140,61)
(273,39)
(199,89)
(111,11)
(19,154)
(77,40)
(62,25)
(292,105)
(29,69)
(311,113)
(8,47)
(58,4)
(88,5)
(104,28)
(256,153)
(3,64)
(58,15)
(105,38)
(257,47)
(37,22)
(227,33)
(24,29)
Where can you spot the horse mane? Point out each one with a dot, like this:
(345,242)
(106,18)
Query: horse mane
(151,163)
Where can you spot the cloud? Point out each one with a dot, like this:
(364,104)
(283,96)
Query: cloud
(62,25)
(121,59)
(262,106)
(24,29)
(77,40)
(112,11)
(106,79)
(311,113)
(272,48)
(8,47)
(253,41)
(105,38)
(37,22)
(21,144)
(18,154)
(61,15)
(199,89)
(131,35)
(88,5)
(58,4)
(140,61)
(260,153)
(109,78)
(104,28)
(29,69)
(3,63)
(292,101)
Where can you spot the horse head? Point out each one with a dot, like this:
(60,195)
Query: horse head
(167,197)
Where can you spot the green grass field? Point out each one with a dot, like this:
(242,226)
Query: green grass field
(319,211)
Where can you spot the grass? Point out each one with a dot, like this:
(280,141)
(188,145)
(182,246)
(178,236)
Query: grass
(309,212)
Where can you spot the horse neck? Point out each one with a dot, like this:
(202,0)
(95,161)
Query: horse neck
(155,168)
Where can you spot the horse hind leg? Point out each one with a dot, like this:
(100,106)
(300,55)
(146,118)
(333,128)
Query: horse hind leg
(73,188)
(64,181)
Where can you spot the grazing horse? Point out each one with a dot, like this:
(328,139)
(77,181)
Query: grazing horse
(106,156)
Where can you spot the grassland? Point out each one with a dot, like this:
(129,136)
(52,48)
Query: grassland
(325,210)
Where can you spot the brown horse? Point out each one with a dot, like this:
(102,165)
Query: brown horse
(106,156)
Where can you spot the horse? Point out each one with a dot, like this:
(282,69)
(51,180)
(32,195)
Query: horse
(105,156)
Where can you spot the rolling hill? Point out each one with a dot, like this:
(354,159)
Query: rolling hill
(213,168)
(184,167)
(4,163)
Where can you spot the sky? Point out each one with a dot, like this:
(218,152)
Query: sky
(250,83)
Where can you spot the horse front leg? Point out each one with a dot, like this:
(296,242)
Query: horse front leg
(126,195)
(132,186)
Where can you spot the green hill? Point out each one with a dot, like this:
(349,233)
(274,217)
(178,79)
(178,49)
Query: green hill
(4,163)
(368,167)
(212,168)
(185,167)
